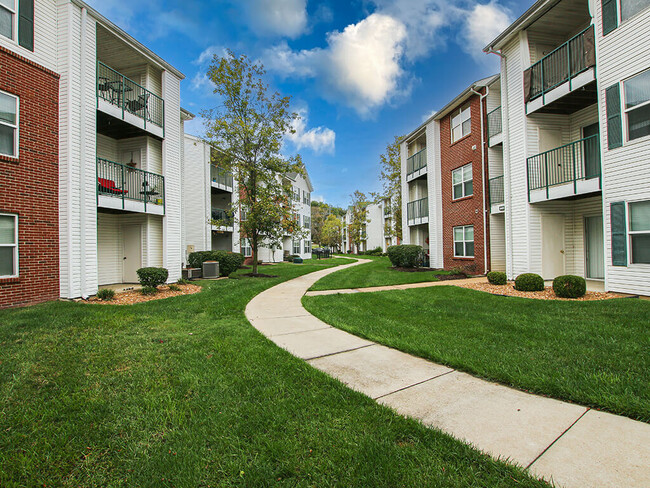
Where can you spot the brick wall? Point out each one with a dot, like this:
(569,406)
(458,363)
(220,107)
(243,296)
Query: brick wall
(29,184)
(467,210)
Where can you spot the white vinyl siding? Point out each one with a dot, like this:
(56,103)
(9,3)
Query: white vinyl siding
(464,241)
(462,181)
(461,123)
(9,123)
(636,93)
(639,232)
(8,245)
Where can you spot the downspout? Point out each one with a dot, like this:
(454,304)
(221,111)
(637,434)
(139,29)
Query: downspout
(483,175)
(70,180)
(82,152)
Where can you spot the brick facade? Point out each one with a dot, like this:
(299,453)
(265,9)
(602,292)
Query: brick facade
(29,184)
(466,210)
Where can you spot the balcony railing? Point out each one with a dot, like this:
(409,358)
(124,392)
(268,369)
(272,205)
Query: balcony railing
(222,216)
(416,162)
(577,161)
(561,65)
(126,183)
(494,122)
(387,211)
(417,209)
(220,176)
(496,190)
(129,96)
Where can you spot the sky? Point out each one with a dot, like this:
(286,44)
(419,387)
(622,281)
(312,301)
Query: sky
(359,72)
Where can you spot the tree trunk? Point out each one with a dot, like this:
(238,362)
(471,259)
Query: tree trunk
(254,244)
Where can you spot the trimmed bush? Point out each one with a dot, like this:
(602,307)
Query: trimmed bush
(228,261)
(497,278)
(152,277)
(406,256)
(529,282)
(149,290)
(374,252)
(291,257)
(106,294)
(182,281)
(569,286)
(173,287)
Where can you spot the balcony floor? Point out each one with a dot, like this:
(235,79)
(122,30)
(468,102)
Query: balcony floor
(416,174)
(116,128)
(567,98)
(117,204)
(566,190)
(418,221)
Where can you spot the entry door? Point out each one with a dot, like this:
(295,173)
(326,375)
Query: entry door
(594,248)
(591,151)
(553,255)
(132,259)
(549,140)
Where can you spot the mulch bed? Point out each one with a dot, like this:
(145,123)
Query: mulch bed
(451,277)
(135,296)
(547,294)
(258,275)
(415,270)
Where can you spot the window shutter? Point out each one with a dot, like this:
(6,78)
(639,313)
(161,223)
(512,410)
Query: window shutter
(619,233)
(614,120)
(26,24)
(610,15)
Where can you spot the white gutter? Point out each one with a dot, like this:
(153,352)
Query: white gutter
(82,151)
(70,181)
(483,175)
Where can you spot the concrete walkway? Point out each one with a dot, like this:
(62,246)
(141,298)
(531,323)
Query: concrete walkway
(570,445)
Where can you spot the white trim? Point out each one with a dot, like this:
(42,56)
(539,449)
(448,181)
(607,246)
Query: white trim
(631,232)
(245,244)
(15,245)
(15,127)
(626,111)
(14,22)
(459,113)
(463,181)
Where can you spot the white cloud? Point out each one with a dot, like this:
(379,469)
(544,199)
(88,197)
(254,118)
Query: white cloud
(484,23)
(195,127)
(318,139)
(428,115)
(277,17)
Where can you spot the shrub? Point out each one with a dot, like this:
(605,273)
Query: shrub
(228,261)
(182,281)
(497,278)
(405,256)
(569,286)
(529,282)
(456,271)
(374,252)
(149,290)
(291,257)
(173,287)
(106,294)
(152,277)
(195,259)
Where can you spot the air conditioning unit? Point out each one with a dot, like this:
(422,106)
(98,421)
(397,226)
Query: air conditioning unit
(210,269)
(191,273)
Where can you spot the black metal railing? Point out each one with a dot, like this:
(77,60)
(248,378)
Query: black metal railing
(417,209)
(222,217)
(494,122)
(416,162)
(126,183)
(562,64)
(579,160)
(129,96)
(220,176)
(497,195)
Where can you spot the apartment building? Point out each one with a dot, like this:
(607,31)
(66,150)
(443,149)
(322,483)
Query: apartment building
(445,168)
(29,159)
(210,197)
(575,90)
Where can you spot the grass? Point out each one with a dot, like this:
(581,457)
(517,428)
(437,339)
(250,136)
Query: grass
(376,273)
(184,392)
(592,353)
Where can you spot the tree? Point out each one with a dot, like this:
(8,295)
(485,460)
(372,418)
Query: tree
(319,213)
(248,128)
(358,218)
(332,229)
(391,168)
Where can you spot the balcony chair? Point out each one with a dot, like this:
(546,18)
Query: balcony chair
(108,186)
(141,103)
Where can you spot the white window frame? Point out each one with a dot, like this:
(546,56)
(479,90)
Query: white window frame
(15,127)
(463,241)
(296,194)
(459,113)
(619,4)
(15,245)
(307,246)
(306,219)
(630,233)
(296,246)
(463,181)
(14,22)
(626,111)
(246,248)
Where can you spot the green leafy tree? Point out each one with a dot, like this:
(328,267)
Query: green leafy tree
(331,232)
(319,213)
(358,218)
(391,167)
(248,127)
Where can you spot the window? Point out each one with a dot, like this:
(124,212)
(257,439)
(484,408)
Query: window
(307,222)
(464,241)
(296,247)
(296,194)
(246,248)
(8,245)
(307,247)
(462,181)
(243,214)
(8,124)
(306,197)
(639,232)
(637,105)
(17,21)
(461,124)
(7,16)
(629,8)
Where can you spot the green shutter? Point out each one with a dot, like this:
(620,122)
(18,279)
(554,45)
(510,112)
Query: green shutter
(614,120)
(610,15)
(26,24)
(619,233)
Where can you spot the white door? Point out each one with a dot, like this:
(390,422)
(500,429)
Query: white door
(552,246)
(549,140)
(594,248)
(132,260)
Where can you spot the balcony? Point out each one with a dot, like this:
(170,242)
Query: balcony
(417,212)
(565,172)
(224,220)
(220,178)
(387,212)
(497,196)
(563,81)
(494,126)
(124,99)
(416,165)
(121,187)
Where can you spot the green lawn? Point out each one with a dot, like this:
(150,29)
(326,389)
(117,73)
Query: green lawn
(376,273)
(185,392)
(592,353)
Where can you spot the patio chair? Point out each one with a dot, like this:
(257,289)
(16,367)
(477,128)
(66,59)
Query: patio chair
(108,186)
(138,104)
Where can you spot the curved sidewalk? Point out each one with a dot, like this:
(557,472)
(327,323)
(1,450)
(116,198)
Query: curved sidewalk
(571,445)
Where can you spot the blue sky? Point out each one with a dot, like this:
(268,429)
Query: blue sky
(359,72)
